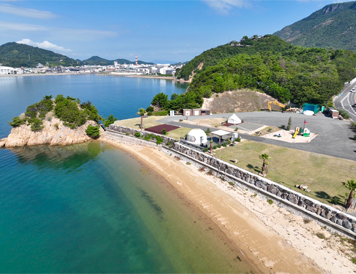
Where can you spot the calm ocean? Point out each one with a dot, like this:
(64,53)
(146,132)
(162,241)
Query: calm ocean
(85,208)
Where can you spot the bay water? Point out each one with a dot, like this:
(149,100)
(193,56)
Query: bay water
(92,207)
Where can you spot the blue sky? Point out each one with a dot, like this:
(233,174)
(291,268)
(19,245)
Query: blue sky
(171,30)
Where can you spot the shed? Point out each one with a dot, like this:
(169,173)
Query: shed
(197,136)
(334,113)
(221,134)
(234,120)
(312,107)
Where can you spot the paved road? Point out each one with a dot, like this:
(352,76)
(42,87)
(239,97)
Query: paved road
(346,100)
(334,136)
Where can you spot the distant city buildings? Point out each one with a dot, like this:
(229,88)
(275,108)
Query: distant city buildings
(118,69)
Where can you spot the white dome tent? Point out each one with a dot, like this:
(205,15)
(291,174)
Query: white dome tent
(234,119)
(197,137)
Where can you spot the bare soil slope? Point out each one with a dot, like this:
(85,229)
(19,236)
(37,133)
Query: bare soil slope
(243,100)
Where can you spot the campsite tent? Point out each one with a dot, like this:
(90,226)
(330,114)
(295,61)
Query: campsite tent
(234,119)
(197,137)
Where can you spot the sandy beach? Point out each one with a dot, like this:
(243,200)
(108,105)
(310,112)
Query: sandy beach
(271,238)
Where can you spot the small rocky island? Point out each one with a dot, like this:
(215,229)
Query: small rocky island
(59,121)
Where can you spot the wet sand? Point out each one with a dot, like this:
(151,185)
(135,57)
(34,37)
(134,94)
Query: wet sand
(271,238)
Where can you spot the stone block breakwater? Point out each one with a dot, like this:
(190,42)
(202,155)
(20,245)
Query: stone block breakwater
(294,201)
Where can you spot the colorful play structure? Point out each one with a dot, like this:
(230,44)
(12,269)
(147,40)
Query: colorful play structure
(301,131)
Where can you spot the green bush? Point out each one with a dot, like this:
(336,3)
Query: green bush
(147,137)
(150,109)
(137,134)
(161,113)
(36,124)
(110,120)
(219,145)
(320,235)
(270,201)
(238,139)
(236,129)
(208,131)
(215,147)
(16,121)
(231,184)
(93,131)
(127,133)
(205,149)
(188,163)
(224,144)
(164,132)
(344,114)
(159,140)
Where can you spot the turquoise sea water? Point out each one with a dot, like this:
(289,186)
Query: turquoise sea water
(91,207)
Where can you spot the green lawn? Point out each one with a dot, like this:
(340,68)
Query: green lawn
(322,174)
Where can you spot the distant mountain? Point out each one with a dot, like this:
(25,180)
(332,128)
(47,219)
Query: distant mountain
(96,60)
(331,26)
(21,55)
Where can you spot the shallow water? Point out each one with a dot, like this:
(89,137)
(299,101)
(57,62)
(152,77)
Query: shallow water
(93,208)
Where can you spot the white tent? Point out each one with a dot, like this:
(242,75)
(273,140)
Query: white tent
(234,119)
(197,137)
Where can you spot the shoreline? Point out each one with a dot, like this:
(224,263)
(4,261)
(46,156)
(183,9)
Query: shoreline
(42,74)
(270,237)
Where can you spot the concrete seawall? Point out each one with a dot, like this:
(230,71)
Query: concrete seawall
(297,203)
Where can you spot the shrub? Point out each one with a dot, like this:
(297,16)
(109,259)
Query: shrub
(208,131)
(36,124)
(307,221)
(127,133)
(150,109)
(270,201)
(164,132)
(224,144)
(180,120)
(205,150)
(344,114)
(238,139)
(188,163)
(217,95)
(215,147)
(236,129)
(110,120)
(137,134)
(231,184)
(159,140)
(320,235)
(149,113)
(161,113)
(56,126)
(93,131)
(147,137)
(353,260)
(219,145)
(17,121)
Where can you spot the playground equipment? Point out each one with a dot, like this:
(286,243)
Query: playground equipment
(297,129)
(276,103)
(306,133)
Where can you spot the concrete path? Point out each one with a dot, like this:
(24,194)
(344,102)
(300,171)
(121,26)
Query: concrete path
(334,136)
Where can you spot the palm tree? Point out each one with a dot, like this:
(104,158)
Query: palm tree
(264,157)
(351,185)
(141,112)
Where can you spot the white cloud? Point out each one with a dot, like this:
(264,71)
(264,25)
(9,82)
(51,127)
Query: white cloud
(9,26)
(223,6)
(43,45)
(24,12)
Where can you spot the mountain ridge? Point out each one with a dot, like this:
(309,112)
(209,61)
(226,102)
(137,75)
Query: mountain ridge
(330,27)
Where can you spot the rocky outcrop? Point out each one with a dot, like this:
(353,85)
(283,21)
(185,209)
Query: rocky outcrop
(53,133)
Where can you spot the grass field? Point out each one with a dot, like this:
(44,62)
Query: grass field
(151,121)
(322,174)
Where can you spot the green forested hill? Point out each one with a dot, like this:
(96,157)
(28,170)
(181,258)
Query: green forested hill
(96,60)
(273,66)
(330,27)
(20,55)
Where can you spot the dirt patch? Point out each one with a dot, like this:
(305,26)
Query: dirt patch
(243,100)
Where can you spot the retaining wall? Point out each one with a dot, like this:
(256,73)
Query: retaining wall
(131,131)
(324,214)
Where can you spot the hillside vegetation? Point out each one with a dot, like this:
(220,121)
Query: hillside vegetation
(96,60)
(20,55)
(270,65)
(332,26)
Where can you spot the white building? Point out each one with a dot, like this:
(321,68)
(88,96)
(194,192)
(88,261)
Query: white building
(7,70)
(197,137)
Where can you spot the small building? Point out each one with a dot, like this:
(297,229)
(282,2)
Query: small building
(311,107)
(222,135)
(197,137)
(7,70)
(196,112)
(334,113)
(233,119)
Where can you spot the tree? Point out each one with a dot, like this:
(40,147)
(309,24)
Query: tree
(17,121)
(110,120)
(93,131)
(351,185)
(211,146)
(289,123)
(160,100)
(141,112)
(264,157)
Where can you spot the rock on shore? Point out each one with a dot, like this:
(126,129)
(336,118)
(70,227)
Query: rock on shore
(54,133)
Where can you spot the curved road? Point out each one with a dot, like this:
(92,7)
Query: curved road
(346,100)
